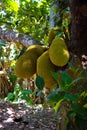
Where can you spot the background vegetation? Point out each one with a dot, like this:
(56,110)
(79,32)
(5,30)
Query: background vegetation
(69,96)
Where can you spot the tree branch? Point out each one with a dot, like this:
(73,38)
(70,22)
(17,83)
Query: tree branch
(16,37)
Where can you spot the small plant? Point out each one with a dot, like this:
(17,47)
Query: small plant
(73,102)
(41,90)
(19,94)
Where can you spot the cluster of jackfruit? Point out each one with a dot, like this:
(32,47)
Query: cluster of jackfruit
(44,69)
(25,66)
(56,56)
(43,61)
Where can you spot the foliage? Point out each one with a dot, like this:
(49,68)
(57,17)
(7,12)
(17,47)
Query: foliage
(70,96)
(8,55)
(32,18)
(27,16)
(35,15)
(76,102)
(40,85)
(40,82)
(20,94)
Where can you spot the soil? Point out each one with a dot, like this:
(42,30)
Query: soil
(20,116)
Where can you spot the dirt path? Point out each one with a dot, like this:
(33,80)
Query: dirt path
(23,117)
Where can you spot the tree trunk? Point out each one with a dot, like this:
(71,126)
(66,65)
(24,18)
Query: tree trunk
(56,12)
(16,37)
(78,44)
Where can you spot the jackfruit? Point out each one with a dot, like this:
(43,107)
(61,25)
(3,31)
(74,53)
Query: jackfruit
(58,52)
(25,66)
(52,34)
(44,68)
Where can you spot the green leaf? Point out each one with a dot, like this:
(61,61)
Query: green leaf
(71,114)
(10,96)
(71,97)
(55,75)
(13,78)
(40,82)
(24,92)
(57,78)
(57,90)
(27,99)
(52,97)
(81,112)
(39,93)
(57,105)
(77,79)
(85,105)
(66,78)
(16,89)
(55,97)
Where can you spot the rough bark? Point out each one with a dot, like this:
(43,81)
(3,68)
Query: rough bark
(16,37)
(78,44)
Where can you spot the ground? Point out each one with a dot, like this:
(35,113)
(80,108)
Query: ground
(21,116)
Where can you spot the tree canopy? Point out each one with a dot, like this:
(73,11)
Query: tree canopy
(26,16)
